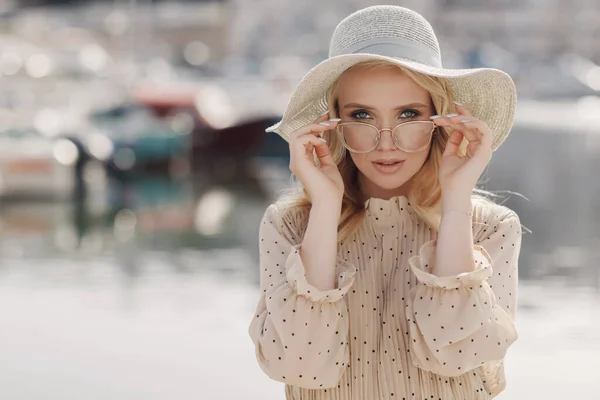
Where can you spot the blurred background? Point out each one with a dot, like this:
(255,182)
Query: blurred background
(134,171)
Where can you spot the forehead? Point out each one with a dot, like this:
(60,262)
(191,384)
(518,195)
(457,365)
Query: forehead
(381,87)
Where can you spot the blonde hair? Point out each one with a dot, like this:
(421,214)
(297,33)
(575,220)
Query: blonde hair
(425,192)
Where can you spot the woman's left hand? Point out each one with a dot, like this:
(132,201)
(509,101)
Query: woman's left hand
(460,174)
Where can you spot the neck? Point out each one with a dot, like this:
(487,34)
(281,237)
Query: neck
(369,189)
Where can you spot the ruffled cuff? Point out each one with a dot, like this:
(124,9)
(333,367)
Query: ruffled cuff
(423,263)
(296,276)
(494,377)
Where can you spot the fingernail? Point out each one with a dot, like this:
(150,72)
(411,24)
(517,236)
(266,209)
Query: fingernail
(435,117)
(334,119)
(325,113)
(457,103)
(452,115)
(325,123)
(464,121)
(322,140)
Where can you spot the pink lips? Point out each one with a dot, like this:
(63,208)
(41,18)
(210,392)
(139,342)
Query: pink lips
(388,169)
(387,160)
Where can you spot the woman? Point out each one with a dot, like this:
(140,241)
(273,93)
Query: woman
(384,276)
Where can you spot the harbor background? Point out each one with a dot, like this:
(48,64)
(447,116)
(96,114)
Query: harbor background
(134,172)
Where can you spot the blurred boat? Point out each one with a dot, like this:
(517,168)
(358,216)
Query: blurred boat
(129,138)
(35,167)
(225,132)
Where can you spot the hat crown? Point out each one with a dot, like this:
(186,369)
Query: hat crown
(387,29)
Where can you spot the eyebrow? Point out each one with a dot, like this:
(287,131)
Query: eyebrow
(411,105)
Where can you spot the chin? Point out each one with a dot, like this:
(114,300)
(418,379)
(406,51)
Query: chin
(388,182)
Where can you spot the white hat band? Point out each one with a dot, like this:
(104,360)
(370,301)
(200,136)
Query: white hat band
(396,47)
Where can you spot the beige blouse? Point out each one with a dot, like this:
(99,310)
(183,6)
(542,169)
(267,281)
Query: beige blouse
(390,330)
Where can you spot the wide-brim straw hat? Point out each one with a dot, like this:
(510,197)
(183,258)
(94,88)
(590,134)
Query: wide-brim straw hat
(400,36)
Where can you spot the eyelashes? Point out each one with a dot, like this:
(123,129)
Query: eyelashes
(356,114)
(414,113)
(363,114)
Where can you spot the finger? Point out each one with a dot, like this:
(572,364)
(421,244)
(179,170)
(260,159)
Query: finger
(301,148)
(475,131)
(459,122)
(480,130)
(462,123)
(451,118)
(317,127)
(323,117)
(472,148)
(319,145)
(453,144)
(462,109)
(481,149)
(323,154)
(307,143)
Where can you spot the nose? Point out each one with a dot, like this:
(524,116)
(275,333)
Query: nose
(385,141)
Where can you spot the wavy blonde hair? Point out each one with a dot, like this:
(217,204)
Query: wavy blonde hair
(425,192)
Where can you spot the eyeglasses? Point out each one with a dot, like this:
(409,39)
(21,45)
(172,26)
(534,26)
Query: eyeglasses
(410,137)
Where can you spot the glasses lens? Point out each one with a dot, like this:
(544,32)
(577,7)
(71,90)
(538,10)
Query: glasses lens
(359,137)
(413,135)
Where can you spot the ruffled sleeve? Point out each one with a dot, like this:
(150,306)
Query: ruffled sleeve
(458,323)
(296,277)
(300,332)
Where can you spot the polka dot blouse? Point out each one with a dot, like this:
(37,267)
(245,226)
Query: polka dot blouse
(390,329)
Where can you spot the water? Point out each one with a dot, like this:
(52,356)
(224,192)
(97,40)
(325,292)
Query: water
(138,302)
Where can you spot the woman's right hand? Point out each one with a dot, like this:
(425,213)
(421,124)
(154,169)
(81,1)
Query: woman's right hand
(323,183)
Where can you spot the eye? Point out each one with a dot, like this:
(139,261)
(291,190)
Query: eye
(360,114)
(410,114)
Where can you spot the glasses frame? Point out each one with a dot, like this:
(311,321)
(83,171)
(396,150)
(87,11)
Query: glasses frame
(339,127)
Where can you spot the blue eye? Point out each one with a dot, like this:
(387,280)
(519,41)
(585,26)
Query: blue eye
(360,114)
(412,114)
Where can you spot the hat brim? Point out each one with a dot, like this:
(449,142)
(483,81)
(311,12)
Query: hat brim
(489,94)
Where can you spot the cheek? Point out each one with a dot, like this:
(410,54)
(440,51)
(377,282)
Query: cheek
(416,161)
(360,160)
(413,164)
